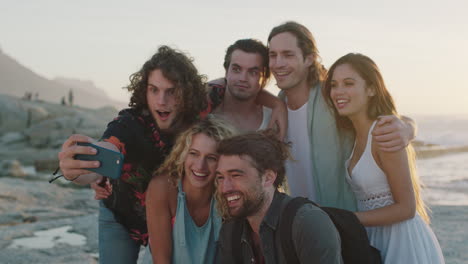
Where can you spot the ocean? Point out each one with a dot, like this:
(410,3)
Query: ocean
(443,130)
(445,177)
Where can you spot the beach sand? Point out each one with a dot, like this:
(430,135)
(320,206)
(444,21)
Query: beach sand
(55,206)
(450,224)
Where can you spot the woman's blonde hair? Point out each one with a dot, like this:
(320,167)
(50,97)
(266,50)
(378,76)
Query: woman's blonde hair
(421,207)
(380,104)
(214,128)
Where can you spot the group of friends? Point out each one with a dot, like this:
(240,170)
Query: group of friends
(200,157)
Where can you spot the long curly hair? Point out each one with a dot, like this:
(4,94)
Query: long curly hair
(380,104)
(178,68)
(308,46)
(213,127)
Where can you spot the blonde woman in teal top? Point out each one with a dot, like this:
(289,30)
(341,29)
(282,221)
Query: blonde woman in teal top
(182,220)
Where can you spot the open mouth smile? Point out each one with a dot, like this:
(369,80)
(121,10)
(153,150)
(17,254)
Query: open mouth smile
(200,174)
(281,74)
(164,115)
(341,103)
(232,199)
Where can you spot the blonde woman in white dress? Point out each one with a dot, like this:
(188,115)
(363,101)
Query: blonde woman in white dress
(386,185)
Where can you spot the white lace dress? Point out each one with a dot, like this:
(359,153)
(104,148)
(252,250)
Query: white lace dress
(410,241)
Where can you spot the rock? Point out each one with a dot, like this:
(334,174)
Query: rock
(47,125)
(12,118)
(57,144)
(16,115)
(40,135)
(53,132)
(10,218)
(12,168)
(27,155)
(12,137)
(46,164)
(36,113)
(29,219)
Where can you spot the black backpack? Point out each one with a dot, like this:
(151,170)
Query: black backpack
(355,246)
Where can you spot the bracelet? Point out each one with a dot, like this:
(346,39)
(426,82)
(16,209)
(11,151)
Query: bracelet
(61,175)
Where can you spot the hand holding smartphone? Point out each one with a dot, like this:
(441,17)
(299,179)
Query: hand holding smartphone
(110,161)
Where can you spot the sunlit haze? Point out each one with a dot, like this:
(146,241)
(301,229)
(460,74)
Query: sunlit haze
(420,46)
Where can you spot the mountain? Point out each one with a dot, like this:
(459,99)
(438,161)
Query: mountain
(17,80)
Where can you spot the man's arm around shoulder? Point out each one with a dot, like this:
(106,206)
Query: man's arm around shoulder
(315,237)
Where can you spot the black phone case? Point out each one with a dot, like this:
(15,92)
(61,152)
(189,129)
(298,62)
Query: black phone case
(111,161)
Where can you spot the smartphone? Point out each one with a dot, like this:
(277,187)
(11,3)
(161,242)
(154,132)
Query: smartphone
(110,161)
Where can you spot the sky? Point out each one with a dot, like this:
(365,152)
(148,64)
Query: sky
(420,46)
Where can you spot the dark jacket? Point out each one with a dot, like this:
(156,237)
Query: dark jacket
(315,237)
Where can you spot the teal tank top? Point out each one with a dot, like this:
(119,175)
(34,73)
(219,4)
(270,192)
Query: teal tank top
(192,243)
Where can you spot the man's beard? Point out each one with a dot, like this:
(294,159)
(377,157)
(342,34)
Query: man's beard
(253,201)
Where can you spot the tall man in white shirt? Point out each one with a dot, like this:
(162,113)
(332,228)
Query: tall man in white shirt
(319,149)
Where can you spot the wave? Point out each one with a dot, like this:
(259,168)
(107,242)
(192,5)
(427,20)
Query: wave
(446,130)
(428,150)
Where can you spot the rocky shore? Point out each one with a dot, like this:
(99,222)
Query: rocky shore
(64,215)
(31,133)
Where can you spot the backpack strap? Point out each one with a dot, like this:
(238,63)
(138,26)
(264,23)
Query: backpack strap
(286,225)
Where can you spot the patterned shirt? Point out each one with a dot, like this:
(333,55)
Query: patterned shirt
(144,147)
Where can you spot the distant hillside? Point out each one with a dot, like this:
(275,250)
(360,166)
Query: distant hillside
(16,80)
